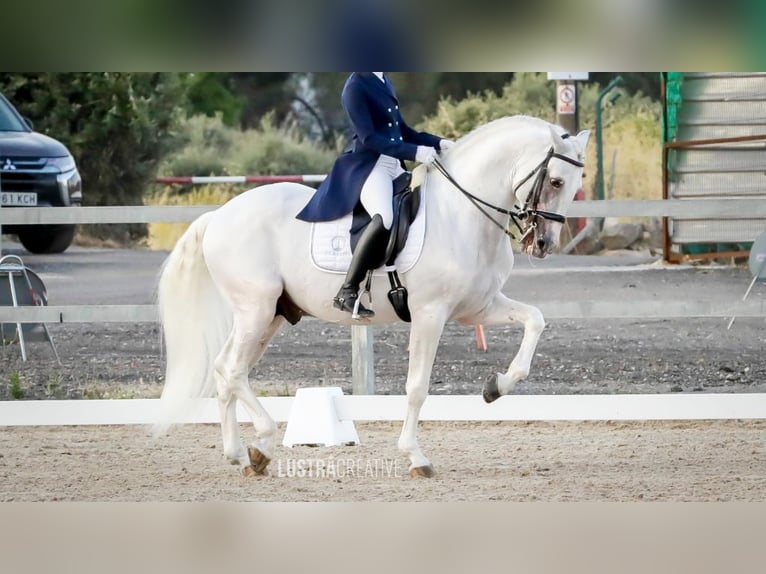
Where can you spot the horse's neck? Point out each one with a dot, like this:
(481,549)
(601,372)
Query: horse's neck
(487,164)
(472,238)
(484,168)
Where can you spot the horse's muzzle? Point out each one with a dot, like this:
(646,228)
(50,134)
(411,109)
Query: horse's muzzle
(540,247)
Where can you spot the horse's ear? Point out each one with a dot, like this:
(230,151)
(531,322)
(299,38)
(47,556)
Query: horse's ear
(583,138)
(558,143)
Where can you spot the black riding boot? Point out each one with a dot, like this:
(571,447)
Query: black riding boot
(368,255)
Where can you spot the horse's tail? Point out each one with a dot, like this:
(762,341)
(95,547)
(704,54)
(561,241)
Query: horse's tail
(195,320)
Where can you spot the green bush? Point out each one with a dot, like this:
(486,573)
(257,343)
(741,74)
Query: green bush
(212,148)
(528,93)
(532,94)
(631,126)
(270,150)
(206,150)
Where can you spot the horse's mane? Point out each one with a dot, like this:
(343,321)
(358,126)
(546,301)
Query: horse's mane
(501,124)
(507,129)
(508,125)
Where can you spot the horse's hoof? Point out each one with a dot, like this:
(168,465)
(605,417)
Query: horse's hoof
(490,392)
(422,471)
(249,471)
(258,460)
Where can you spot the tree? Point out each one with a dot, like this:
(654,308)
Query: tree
(242,98)
(263,93)
(419,93)
(118,126)
(457,85)
(211,94)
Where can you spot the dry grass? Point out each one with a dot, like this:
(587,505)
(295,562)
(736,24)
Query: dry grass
(637,171)
(165,235)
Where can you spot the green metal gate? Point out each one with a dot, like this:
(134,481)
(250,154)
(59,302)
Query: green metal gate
(714,147)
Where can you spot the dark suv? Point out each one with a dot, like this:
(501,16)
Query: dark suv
(36,171)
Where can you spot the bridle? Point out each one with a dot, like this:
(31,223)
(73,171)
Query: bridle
(528,212)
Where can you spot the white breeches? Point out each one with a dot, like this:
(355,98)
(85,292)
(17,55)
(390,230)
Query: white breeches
(378,190)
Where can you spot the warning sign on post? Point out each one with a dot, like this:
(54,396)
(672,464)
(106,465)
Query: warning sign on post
(567,99)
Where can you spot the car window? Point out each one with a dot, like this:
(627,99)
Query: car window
(9,121)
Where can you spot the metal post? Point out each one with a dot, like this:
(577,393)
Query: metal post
(599,142)
(362,360)
(566,108)
(1,224)
(11,269)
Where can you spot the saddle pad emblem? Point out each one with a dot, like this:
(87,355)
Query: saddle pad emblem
(338,243)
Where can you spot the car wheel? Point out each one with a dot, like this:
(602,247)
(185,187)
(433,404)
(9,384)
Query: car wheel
(47,238)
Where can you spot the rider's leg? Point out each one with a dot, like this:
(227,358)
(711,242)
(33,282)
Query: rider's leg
(369,254)
(377,192)
(376,198)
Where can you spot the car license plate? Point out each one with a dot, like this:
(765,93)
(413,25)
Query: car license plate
(18,199)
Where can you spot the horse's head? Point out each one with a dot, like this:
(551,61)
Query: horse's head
(546,193)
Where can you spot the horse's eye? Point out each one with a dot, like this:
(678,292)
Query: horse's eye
(557,182)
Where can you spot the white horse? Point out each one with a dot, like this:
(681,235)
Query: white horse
(237,270)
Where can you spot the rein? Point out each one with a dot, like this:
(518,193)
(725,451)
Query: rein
(516,214)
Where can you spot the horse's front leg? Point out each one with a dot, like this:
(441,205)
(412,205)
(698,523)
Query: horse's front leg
(425,333)
(501,311)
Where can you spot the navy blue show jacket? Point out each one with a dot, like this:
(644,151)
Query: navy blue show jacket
(379,129)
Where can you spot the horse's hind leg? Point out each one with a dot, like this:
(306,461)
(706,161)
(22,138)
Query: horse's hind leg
(502,311)
(261,452)
(252,331)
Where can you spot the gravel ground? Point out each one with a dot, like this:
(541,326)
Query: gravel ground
(649,461)
(597,356)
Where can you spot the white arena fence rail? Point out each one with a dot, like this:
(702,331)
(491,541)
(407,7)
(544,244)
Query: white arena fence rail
(688,208)
(592,407)
(553,310)
(359,408)
(648,309)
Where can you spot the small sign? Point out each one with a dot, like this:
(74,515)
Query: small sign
(568,75)
(566,100)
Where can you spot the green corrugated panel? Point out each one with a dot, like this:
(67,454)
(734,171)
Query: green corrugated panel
(673,101)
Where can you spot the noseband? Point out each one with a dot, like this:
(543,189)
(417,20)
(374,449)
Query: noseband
(528,212)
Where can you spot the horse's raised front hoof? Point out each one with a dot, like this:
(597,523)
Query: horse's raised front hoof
(422,471)
(491,393)
(258,461)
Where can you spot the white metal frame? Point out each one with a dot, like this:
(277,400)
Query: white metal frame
(10,267)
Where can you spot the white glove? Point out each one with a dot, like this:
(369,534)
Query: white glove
(444,145)
(425,154)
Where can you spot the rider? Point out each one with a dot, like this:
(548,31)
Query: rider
(382,140)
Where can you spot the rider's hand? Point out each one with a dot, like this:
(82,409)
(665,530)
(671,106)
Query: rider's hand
(444,145)
(425,155)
